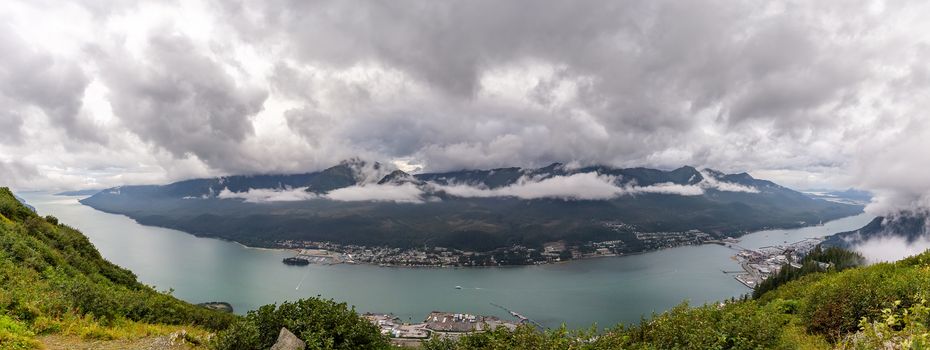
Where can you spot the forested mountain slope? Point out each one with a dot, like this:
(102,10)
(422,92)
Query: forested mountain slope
(363,203)
(53,281)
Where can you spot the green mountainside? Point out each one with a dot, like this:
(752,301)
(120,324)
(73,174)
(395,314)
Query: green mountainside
(57,292)
(54,285)
(466,223)
(53,281)
(909,226)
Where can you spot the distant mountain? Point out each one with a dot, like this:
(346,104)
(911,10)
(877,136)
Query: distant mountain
(367,203)
(23,201)
(346,173)
(908,225)
(399,177)
(78,193)
(501,177)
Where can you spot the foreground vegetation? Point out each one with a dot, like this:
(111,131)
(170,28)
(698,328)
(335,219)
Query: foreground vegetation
(832,259)
(53,282)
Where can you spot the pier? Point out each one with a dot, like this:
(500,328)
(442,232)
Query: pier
(523,319)
(761,263)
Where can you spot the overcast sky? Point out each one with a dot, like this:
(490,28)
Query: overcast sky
(810,94)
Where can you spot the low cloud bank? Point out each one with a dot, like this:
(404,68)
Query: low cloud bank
(577,186)
(581,186)
(711,182)
(901,235)
(404,193)
(891,248)
(261,195)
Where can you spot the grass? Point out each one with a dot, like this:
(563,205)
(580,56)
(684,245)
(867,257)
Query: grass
(55,285)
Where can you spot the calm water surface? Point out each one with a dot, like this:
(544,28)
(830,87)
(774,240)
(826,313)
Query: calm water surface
(579,293)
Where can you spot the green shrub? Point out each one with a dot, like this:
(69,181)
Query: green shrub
(896,328)
(15,335)
(323,324)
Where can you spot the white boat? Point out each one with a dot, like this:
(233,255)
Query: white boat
(458,287)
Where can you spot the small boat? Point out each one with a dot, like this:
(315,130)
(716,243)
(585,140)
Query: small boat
(458,287)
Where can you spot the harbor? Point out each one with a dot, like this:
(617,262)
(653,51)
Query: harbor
(761,263)
(317,256)
(437,323)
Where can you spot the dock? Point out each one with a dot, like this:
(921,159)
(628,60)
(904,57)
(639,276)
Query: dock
(523,319)
(761,263)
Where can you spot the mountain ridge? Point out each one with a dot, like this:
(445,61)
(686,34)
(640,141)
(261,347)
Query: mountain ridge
(358,172)
(361,203)
(911,226)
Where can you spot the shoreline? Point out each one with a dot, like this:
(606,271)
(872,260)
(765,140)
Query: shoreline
(611,255)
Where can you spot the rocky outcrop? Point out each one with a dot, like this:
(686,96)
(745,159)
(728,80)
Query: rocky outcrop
(288,341)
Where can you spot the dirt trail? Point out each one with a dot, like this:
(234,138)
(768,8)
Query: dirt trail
(58,342)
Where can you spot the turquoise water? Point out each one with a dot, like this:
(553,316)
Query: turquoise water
(579,293)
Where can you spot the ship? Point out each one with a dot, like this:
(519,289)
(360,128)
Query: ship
(296,261)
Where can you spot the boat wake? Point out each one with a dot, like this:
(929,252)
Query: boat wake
(302,279)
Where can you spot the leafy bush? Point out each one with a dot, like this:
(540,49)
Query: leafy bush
(322,324)
(15,335)
(523,337)
(896,328)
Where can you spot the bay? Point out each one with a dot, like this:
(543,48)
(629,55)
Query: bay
(580,293)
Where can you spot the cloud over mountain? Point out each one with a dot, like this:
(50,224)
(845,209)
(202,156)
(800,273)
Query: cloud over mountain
(403,193)
(400,187)
(810,94)
(580,186)
(262,195)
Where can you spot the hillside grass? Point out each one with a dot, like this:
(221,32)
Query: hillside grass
(53,281)
(57,292)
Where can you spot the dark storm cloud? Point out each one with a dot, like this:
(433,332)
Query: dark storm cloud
(180,100)
(642,70)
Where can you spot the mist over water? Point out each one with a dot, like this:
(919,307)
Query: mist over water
(891,248)
(901,234)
